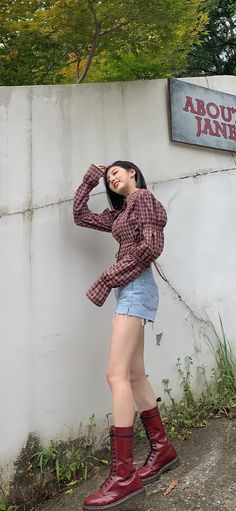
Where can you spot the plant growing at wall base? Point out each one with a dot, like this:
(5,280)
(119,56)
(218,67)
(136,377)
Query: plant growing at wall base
(6,507)
(186,413)
(218,397)
(43,472)
(225,366)
(68,464)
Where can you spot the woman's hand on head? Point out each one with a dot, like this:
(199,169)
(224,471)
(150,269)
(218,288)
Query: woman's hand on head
(101,167)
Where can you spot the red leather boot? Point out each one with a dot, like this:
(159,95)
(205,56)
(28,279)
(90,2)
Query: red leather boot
(123,483)
(163,456)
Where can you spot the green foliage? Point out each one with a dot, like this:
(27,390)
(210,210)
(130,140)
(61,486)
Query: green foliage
(225,365)
(67,464)
(54,41)
(153,49)
(218,397)
(6,507)
(216,55)
(66,41)
(26,51)
(45,472)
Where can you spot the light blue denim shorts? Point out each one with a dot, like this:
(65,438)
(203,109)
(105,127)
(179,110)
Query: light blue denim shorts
(138,298)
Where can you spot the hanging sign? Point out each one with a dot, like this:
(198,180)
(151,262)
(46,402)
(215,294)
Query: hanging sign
(202,116)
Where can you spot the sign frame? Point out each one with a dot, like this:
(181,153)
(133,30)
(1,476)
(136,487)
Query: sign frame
(196,116)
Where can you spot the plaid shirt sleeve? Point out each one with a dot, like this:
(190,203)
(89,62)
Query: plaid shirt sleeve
(151,219)
(82,214)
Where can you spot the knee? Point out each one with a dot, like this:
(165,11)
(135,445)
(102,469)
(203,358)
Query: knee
(115,377)
(109,375)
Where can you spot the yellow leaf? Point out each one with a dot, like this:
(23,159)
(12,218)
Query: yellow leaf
(171,486)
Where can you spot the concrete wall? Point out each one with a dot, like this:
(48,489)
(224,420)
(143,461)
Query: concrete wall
(54,342)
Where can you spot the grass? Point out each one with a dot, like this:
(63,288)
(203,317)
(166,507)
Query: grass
(218,397)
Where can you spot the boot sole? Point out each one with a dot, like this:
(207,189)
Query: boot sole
(169,466)
(134,497)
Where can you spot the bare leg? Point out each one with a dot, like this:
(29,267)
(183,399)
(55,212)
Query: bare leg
(126,338)
(142,391)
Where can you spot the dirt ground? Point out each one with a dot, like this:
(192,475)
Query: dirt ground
(204,481)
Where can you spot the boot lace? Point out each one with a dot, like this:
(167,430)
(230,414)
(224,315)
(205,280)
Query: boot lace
(113,465)
(152,452)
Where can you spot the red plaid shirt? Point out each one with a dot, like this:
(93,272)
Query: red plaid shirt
(138,228)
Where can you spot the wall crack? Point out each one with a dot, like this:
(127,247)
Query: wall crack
(196,174)
(30,210)
(33,208)
(151,184)
(178,295)
(234,157)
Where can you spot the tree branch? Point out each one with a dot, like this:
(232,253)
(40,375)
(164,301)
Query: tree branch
(207,71)
(97,33)
(53,64)
(118,26)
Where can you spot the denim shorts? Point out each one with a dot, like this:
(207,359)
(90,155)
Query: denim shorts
(138,298)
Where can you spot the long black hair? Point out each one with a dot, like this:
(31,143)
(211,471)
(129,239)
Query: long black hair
(116,200)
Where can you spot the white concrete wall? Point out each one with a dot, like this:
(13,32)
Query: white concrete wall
(54,342)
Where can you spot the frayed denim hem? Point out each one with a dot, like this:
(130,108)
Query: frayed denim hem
(144,320)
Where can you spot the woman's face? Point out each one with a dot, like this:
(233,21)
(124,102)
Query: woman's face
(119,179)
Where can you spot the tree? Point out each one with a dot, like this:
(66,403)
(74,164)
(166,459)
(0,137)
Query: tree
(217,53)
(130,39)
(56,41)
(27,54)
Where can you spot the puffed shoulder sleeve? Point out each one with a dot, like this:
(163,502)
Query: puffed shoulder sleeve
(82,214)
(151,220)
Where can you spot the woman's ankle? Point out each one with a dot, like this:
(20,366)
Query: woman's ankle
(122,430)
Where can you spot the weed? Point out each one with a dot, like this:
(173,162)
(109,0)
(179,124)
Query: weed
(225,367)
(6,507)
(218,397)
(68,464)
(43,472)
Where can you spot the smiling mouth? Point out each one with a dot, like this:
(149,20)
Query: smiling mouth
(116,184)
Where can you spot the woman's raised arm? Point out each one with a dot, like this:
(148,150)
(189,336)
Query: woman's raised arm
(82,214)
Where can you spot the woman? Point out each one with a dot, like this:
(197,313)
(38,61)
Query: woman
(136,221)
